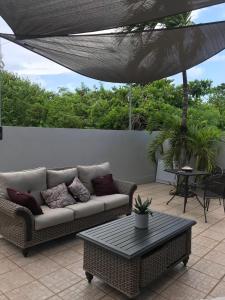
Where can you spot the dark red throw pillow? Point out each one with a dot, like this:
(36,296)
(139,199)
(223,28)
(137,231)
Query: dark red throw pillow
(26,200)
(104,185)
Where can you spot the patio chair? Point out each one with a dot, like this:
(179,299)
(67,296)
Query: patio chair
(214,188)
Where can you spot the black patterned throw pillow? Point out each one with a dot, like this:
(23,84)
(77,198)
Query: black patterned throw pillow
(58,196)
(78,190)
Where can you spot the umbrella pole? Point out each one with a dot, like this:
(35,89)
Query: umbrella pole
(130,107)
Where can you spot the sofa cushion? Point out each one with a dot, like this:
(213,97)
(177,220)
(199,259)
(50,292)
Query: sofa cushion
(104,185)
(79,191)
(55,177)
(52,217)
(82,210)
(112,201)
(87,173)
(25,181)
(26,200)
(58,197)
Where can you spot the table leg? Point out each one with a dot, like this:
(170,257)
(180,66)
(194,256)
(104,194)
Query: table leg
(171,198)
(89,277)
(186,190)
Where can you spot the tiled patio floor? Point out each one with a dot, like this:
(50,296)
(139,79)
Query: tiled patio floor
(54,271)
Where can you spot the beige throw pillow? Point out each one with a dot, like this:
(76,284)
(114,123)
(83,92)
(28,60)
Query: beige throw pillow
(78,190)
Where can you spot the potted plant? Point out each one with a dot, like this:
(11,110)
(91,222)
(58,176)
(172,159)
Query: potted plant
(142,211)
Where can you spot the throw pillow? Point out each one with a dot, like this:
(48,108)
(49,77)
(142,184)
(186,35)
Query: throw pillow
(78,190)
(26,200)
(104,185)
(58,196)
(87,173)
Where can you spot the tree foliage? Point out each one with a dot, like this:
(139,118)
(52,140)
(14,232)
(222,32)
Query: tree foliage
(154,106)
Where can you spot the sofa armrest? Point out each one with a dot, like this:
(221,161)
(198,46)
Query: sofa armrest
(16,211)
(127,188)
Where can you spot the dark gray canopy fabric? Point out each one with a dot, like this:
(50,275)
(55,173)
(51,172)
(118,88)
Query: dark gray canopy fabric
(131,58)
(59,17)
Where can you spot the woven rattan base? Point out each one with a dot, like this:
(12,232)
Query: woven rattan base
(129,275)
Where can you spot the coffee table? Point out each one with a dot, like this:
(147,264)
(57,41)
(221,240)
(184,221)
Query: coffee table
(128,258)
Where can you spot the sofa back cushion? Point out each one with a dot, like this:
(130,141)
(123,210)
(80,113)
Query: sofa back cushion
(26,200)
(30,181)
(56,177)
(87,173)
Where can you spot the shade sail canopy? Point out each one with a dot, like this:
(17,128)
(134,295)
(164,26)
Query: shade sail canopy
(131,58)
(59,17)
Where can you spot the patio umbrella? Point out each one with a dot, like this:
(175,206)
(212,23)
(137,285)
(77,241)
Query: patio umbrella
(139,57)
(29,18)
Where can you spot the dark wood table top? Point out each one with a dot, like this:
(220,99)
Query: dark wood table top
(121,236)
(186,173)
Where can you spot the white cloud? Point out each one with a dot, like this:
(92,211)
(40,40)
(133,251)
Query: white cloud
(195,72)
(25,62)
(36,79)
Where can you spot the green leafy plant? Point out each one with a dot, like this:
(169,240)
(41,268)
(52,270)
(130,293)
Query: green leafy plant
(142,208)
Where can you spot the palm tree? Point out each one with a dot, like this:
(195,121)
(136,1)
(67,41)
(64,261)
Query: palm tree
(181,20)
(181,131)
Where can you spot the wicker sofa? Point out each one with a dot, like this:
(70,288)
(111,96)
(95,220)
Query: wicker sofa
(19,226)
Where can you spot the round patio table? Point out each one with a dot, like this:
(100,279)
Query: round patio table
(186,175)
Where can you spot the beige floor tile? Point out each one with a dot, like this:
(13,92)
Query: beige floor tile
(216,256)
(219,227)
(79,249)
(210,268)
(145,294)
(21,261)
(205,242)
(45,262)
(82,290)
(7,248)
(6,265)
(60,280)
(31,291)
(66,257)
(77,269)
(13,280)
(219,290)
(179,291)
(199,250)
(193,260)
(41,267)
(213,235)
(220,247)
(52,248)
(115,295)
(198,281)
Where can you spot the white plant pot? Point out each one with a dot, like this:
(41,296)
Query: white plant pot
(141,221)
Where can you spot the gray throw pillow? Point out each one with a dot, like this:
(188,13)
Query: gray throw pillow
(87,173)
(56,177)
(78,190)
(58,196)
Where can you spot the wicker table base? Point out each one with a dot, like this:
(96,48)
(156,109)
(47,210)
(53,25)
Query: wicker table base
(130,275)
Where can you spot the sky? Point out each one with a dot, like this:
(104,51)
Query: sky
(52,76)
